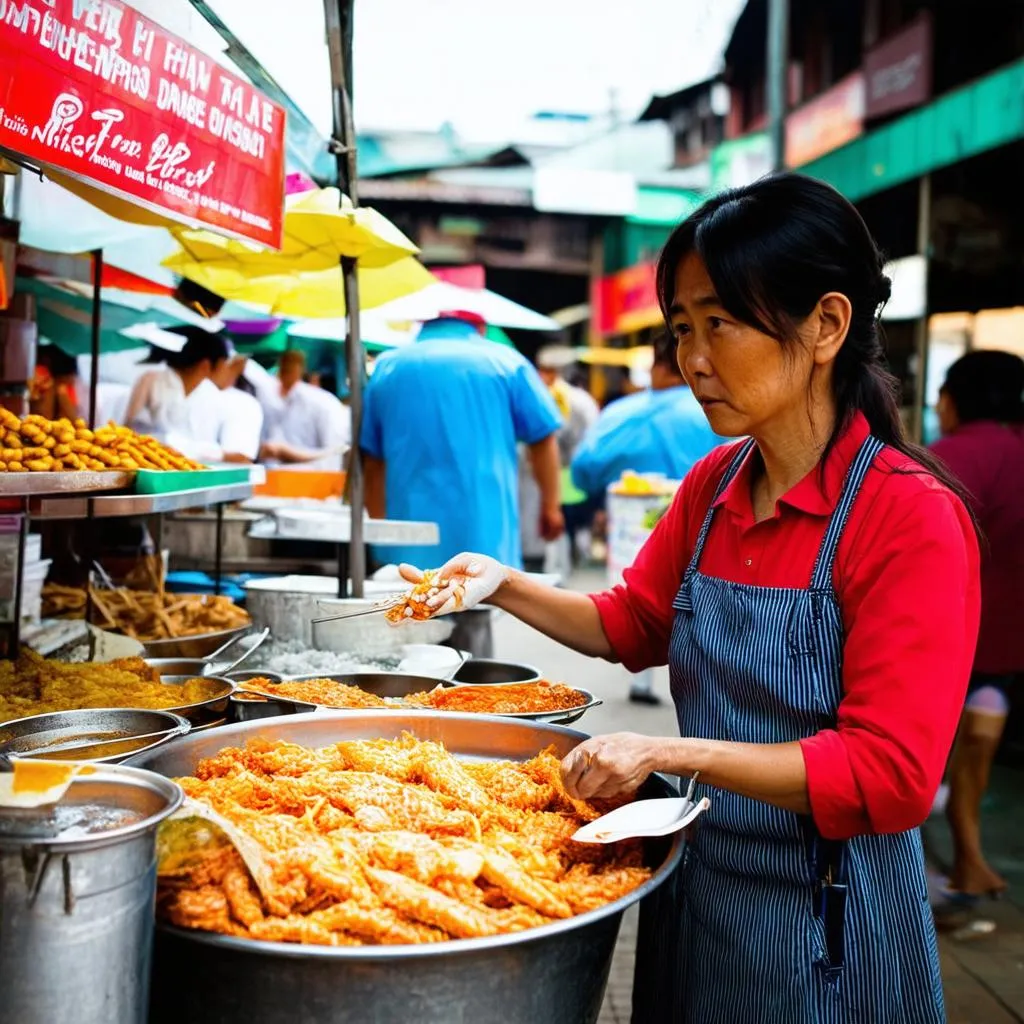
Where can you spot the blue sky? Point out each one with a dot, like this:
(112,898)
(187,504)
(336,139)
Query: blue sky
(486,66)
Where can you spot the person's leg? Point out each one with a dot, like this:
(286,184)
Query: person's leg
(981,728)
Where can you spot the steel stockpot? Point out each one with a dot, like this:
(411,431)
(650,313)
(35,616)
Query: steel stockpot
(550,975)
(77,886)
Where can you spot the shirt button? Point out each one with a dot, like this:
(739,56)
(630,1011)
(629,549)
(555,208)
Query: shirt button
(749,561)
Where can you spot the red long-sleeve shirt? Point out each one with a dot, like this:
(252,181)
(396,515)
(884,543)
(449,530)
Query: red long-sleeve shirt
(907,579)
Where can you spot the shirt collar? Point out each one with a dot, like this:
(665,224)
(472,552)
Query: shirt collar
(813,494)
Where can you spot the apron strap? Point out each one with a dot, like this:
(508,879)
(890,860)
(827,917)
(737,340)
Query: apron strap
(821,578)
(731,471)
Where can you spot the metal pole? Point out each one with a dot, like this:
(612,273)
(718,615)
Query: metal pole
(924,216)
(778,78)
(94,353)
(338,20)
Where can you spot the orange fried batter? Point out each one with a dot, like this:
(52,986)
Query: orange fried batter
(384,842)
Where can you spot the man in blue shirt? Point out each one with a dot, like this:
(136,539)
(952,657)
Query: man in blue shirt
(441,420)
(661,430)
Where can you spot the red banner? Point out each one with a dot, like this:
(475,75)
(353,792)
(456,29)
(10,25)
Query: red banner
(93,88)
(626,301)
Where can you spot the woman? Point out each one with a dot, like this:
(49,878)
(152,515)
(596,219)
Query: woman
(814,590)
(981,415)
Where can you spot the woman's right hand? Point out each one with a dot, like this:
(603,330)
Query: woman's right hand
(470,580)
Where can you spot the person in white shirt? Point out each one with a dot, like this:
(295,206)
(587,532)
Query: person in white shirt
(225,418)
(305,423)
(158,404)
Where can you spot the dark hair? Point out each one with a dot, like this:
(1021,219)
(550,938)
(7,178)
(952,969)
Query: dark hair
(665,354)
(199,345)
(772,250)
(987,385)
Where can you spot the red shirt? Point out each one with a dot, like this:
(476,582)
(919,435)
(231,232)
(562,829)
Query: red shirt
(988,459)
(907,579)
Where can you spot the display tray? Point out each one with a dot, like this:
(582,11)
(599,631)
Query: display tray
(161,481)
(73,481)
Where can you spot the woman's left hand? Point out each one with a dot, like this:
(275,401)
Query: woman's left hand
(609,766)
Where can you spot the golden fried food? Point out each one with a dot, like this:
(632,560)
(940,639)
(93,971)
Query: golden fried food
(146,615)
(38,445)
(413,604)
(33,685)
(382,842)
(506,699)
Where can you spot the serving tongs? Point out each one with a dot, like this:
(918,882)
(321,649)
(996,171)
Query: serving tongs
(645,818)
(377,608)
(214,669)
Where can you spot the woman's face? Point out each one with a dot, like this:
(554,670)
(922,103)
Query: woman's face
(744,379)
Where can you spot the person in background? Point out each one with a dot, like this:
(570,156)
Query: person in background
(224,417)
(579,411)
(305,424)
(441,418)
(54,391)
(660,430)
(981,416)
(157,404)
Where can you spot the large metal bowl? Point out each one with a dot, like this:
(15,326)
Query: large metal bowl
(550,975)
(217,692)
(112,727)
(491,672)
(199,645)
(564,716)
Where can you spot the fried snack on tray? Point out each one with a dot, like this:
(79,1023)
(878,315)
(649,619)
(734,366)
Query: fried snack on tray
(34,685)
(381,842)
(36,444)
(504,699)
(144,614)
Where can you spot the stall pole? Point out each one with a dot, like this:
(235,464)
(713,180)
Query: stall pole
(924,220)
(94,351)
(218,555)
(777,86)
(338,19)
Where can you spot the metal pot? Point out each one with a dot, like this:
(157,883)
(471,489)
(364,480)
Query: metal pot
(487,671)
(550,975)
(76,914)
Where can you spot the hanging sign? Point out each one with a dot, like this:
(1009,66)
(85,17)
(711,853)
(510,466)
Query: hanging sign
(94,89)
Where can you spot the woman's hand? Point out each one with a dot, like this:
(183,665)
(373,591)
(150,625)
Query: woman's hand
(470,580)
(610,766)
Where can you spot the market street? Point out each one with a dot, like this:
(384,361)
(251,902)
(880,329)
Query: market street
(984,977)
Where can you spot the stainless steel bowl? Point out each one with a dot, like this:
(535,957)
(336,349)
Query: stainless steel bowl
(566,716)
(199,645)
(28,737)
(244,675)
(190,667)
(490,671)
(550,975)
(380,684)
(217,689)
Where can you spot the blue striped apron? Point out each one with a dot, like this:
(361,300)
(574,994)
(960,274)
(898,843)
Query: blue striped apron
(765,922)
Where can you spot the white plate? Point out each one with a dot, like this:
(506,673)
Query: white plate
(659,817)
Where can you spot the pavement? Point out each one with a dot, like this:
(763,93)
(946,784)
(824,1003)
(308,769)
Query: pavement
(983,975)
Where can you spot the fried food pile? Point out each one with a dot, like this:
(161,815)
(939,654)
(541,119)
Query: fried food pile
(413,604)
(383,842)
(36,444)
(504,699)
(34,685)
(144,614)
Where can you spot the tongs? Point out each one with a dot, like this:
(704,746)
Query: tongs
(213,669)
(378,608)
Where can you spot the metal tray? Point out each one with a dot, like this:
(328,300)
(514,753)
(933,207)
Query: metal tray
(83,481)
(24,736)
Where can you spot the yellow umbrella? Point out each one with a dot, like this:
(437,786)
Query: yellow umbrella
(314,294)
(320,226)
